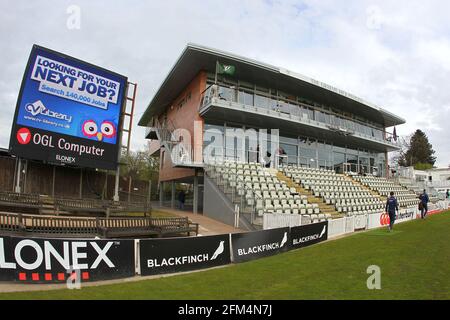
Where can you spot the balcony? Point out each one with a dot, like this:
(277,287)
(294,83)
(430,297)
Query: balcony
(291,119)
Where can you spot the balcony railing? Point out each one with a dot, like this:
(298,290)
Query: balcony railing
(300,112)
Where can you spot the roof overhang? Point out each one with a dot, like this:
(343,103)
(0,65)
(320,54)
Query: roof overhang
(196,58)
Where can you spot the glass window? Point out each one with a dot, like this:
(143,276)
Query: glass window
(251,145)
(262,101)
(350,125)
(308,156)
(306,142)
(213,142)
(245,98)
(338,161)
(288,140)
(283,106)
(306,113)
(333,120)
(322,117)
(273,103)
(234,143)
(227,94)
(378,134)
(291,152)
(338,149)
(364,165)
(323,151)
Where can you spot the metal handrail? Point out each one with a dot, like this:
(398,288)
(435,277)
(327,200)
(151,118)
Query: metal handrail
(304,105)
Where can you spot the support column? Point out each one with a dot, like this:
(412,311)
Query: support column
(195,208)
(105,187)
(25,174)
(81,183)
(386,164)
(149,201)
(116,185)
(172,198)
(53,181)
(19,169)
(161,193)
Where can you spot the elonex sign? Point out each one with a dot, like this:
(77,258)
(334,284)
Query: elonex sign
(73,255)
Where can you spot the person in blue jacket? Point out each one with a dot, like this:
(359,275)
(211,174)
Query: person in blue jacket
(391,206)
(181,199)
(424,201)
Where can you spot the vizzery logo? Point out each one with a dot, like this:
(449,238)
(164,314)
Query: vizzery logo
(38,108)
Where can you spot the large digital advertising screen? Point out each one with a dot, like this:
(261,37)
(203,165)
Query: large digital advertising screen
(68,112)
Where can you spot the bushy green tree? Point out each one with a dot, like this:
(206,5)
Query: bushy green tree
(420,151)
(423,166)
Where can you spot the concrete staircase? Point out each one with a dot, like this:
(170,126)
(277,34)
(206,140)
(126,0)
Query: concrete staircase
(323,207)
(223,205)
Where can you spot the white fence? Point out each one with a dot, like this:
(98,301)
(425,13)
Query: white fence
(337,227)
(443,204)
(361,221)
(281,220)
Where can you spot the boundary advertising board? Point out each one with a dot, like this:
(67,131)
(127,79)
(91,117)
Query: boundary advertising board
(377,220)
(68,112)
(38,260)
(307,235)
(258,244)
(183,254)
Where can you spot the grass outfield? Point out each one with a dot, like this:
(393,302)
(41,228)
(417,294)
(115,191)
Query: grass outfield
(414,262)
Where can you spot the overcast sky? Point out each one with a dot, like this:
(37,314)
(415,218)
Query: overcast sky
(393,53)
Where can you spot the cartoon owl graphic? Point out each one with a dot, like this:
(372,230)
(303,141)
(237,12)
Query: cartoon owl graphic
(104,131)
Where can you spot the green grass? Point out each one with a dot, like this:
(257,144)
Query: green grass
(162,214)
(414,262)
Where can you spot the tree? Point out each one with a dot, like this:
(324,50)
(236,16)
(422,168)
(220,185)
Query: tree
(132,165)
(403,143)
(423,166)
(420,151)
(140,165)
